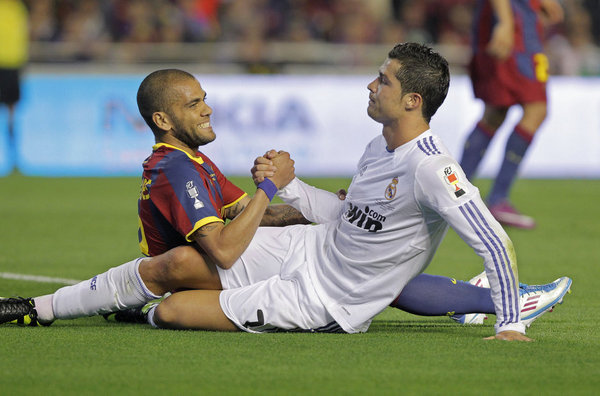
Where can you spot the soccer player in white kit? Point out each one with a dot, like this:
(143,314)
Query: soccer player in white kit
(338,275)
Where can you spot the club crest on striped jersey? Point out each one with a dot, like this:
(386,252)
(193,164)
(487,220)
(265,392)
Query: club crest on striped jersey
(192,192)
(390,190)
(451,178)
(144,193)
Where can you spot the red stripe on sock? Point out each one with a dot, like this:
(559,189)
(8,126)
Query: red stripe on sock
(486,129)
(524,133)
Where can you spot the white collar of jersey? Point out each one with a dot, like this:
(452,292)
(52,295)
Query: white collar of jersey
(410,143)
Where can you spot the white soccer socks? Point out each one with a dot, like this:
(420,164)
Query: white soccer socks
(117,289)
(43,307)
(150,317)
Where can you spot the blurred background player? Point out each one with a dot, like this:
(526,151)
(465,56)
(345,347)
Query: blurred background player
(13,56)
(508,68)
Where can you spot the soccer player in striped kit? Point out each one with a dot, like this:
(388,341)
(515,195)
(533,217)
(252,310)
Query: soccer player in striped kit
(508,68)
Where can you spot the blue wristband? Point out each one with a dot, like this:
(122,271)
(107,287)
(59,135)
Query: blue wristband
(268,187)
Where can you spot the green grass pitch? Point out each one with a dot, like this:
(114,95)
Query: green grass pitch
(75,228)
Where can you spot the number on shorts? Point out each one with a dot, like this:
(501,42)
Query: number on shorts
(260,322)
(541,67)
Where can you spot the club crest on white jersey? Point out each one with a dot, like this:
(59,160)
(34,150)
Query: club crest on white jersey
(451,179)
(390,190)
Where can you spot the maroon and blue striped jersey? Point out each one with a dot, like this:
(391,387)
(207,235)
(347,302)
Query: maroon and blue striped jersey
(522,77)
(179,194)
(528,27)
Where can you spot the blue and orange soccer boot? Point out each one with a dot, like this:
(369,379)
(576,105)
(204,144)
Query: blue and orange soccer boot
(535,300)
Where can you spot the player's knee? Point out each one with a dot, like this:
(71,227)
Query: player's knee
(534,115)
(543,113)
(177,265)
(187,268)
(165,315)
(539,116)
(164,272)
(493,117)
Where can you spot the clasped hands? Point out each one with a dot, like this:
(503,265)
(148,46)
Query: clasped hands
(277,166)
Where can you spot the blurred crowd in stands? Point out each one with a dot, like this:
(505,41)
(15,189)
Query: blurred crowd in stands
(92,26)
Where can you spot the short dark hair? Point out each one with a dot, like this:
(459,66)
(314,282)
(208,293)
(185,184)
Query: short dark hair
(422,71)
(155,93)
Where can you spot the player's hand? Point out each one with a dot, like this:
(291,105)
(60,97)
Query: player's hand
(271,154)
(285,172)
(263,167)
(552,12)
(502,41)
(341,194)
(509,335)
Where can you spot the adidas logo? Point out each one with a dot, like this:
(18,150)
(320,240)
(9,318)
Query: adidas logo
(531,303)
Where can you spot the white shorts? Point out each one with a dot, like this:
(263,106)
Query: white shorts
(263,258)
(277,304)
(286,300)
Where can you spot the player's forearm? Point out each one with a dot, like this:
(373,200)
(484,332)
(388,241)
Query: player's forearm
(497,251)
(316,205)
(503,11)
(474,223)
(226,243)
(280,215)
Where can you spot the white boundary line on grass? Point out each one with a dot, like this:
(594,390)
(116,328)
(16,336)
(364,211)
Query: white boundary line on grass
(38,278)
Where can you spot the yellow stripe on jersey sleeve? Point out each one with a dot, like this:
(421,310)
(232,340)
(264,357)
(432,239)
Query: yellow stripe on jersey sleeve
(201,223)
(233,203)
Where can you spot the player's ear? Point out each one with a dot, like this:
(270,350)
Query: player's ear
(413,101)
(162,120)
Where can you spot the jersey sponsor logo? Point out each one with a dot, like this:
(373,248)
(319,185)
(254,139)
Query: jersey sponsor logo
(192,192)
(454,185)
(364,218)
(390,190)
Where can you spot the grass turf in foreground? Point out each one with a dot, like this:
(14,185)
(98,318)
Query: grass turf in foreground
(74,228)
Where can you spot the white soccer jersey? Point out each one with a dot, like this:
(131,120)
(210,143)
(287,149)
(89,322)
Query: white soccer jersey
(396,213)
